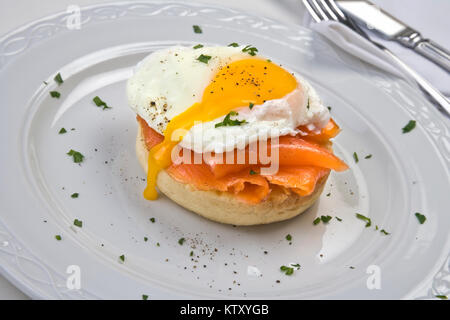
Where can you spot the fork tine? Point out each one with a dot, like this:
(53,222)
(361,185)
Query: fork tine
(329,11)
(318,7)
(342,17)
(316,12)
(336,10)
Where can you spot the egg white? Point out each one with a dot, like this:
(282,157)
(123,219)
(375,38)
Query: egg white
(169,81)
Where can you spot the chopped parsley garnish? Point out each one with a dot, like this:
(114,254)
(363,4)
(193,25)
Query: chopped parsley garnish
(100,103)
(203,58)
(420,217)
(268,60)
(288,237)
(251,105)
(384,232)
(144,297)
(145,239)
(122,258)
(227,122)
(338,219)
(411,125)
(233,44)
(443,297)
(355,156)
(328,194)
(253,172)
(157,244)
(287,270)
(329,108)
(368,156)
(58,237)
(55,94)
(77,156)
(324,219)
(307,105)
(62,131)
(197,29)
(78,223)
(198,46)
(152,220)
(250,50)
(74,195)
(58,79)
(364,218)
(181,241)
(191,254)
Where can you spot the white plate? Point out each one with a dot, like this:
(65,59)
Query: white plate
(408,173)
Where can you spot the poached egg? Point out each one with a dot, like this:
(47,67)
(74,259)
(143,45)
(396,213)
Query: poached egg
(213,92)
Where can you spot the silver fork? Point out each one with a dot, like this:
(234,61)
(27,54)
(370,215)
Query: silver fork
(327,10)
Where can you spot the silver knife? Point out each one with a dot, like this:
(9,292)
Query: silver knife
(393,29)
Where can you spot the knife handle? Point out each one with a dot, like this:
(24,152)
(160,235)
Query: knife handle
(434,52)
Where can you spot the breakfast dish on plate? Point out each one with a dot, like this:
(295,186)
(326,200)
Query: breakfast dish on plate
(231,135)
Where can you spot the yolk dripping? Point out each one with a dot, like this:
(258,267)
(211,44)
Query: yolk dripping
(236,85)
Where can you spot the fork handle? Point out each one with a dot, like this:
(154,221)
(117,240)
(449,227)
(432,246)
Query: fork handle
(434,52)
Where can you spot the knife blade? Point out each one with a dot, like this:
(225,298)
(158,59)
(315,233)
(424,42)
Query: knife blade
(374,18)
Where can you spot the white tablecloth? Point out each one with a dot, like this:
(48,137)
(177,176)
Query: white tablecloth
(430,17)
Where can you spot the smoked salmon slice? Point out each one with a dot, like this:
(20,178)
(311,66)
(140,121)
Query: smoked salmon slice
(151,137)
(330,131)
(251,188)
(292,151)
(301,180)
(302,162)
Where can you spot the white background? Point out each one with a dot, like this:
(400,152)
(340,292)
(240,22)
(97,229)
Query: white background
(430,17)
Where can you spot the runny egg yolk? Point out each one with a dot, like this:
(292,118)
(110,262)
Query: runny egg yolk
(235,85)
